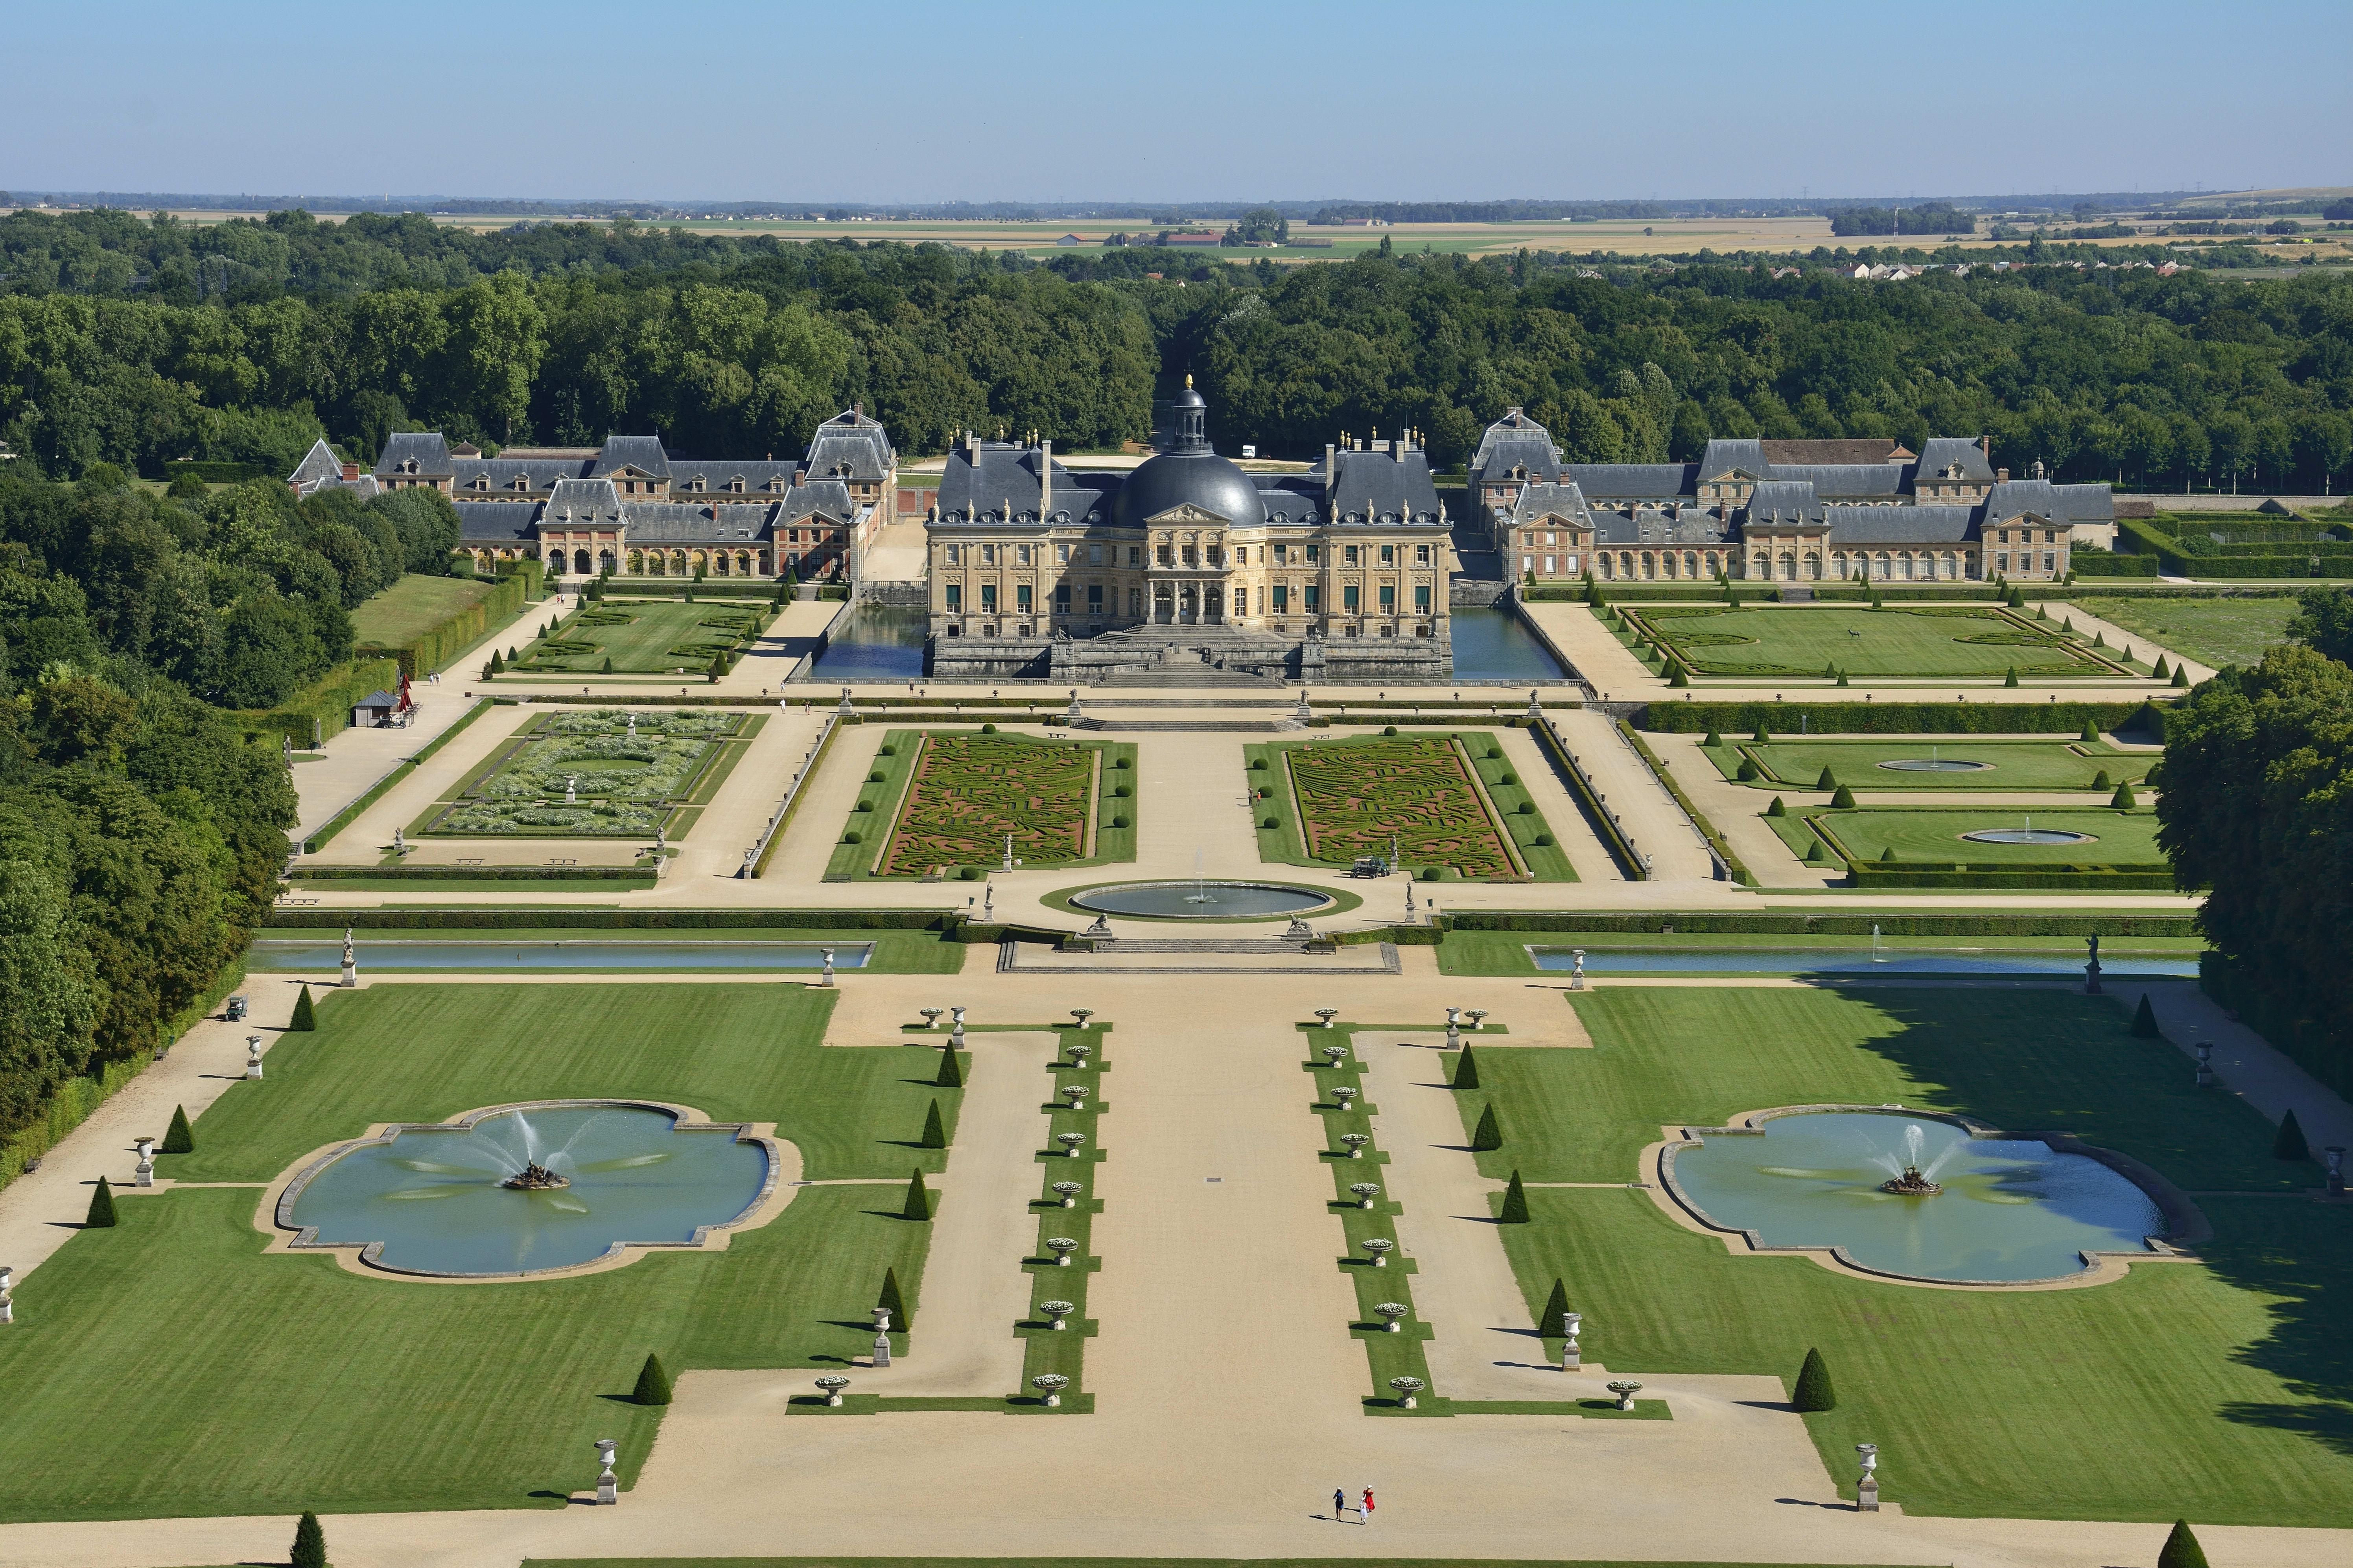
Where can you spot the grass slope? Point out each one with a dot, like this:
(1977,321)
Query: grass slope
(2212,631)
(1922,833)
(1793,763)
(640,635)
(413,606)
(2220,1391)
(1801,640)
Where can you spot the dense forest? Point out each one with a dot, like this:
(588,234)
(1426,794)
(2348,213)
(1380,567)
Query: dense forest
(2257,806)
(129,342)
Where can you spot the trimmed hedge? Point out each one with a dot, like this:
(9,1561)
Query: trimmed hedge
(432,651)
(2106,564)
(216,473)
(2085,880)
(617,919)
(1782,718)
(1800,924)
(325,707)
(469,873)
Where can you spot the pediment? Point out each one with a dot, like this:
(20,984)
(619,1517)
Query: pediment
(1187,515)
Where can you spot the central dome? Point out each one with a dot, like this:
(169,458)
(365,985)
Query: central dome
(1175,479)
(1187,470)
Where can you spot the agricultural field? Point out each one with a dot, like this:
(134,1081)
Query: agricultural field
(1789,762)
(1933,836)
(2242,1428)
(1447,802)
(2216,632)
(513,1382)
(1823,641)
(948,799)
(643,636)
(595,772)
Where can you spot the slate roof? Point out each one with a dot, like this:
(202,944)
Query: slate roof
(2060,503)
(539,474)
(1729,456)
(318,463)
(1649,526)
(1941,452)
(674,522)
(1376,487)
(580,502)
(850,445)
(1633,481)
(718,473)
(495,523)
(985,483)
(425,448)
(1836,453)
(1836,479)
(829,499)
(1515,441)
(1535,501)
(1900,525)
(1784,502)
(1292,498)
(643,453)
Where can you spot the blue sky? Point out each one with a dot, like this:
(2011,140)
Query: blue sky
(917,101)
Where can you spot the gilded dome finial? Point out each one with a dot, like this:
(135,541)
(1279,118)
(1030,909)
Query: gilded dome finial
(1189,381)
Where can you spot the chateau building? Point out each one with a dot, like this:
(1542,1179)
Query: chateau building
(1778,511)
(1026,556)
(631,508)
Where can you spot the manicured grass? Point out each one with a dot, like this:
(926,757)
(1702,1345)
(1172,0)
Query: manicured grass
(1789,762)
(2217,1390)
(1505,951)
(629,781)
(413,606)
(896,951)
(305,1387)
(1360,794)
(2218,632)
(422,1053)
(644,636)
(949,797)
(1971,643)
(1933,835)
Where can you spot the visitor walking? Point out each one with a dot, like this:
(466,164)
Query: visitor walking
(1365,1508)
(1339,1505)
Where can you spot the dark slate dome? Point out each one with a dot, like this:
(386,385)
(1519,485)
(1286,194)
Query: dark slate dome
(1187,469)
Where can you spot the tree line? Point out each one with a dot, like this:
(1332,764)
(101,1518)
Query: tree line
(2106,375)
(2257,808)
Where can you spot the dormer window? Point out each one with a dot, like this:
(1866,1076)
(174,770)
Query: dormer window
(523,481)
(736,485)
(409,467)
(482,481)
(695,484)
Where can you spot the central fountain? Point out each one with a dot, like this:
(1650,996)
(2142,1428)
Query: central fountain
(1909,1181)
(536,1178)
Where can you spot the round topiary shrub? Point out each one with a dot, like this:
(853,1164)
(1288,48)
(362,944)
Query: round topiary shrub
(1543,841)
(1388,729)
(1119,822)
(1122,763)
(1494,752)
(988,728)
(865,806)
(1258,764)
(1119,791)
(1528,808)
(888,751)
(874,777)
(970,873)
(1433,873)
(1509,778)
(853,836)
(1269,822)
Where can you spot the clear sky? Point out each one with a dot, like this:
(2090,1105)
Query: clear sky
(915,101)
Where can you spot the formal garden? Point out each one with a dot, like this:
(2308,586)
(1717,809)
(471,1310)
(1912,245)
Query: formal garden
(1973,642)
(942,801)
(640,637)
(173,1332)
(1783,762)
(596,773)
(1449,805)
(2214,631)
(2210,1388)
(2002,840)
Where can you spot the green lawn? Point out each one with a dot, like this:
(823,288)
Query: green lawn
(2223,1390)
(1505,951)
(1406,789)
(1793,763)
(413,606)
(173,1333)
(976,788)
(1933,835)
(629,779)
(896,951)
(643,636)
(2212,631)
(1972,643)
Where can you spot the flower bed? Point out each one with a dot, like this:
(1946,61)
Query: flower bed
(622,784)
(1357,796)
(969,790)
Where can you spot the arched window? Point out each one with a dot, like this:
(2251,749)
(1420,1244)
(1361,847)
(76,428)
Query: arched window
(1789,567)
(1881,565)
(636,562)
(580,562)
(1948,572)
(1904,566)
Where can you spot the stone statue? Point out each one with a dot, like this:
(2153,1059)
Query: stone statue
(351,960)
(2092,969)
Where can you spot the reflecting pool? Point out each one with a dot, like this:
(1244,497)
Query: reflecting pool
(1848,961)
(434,1199)
(2011,1209)
(874,642)
(1494,645)
(297,954)
(1202,900)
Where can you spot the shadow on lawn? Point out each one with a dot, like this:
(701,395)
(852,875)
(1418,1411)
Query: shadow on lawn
(2050,1060)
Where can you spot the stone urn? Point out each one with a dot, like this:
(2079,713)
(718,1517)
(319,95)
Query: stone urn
(1050,1384)
(1071,1143)
(1057,1312)
(1070,1192)
(1355,1142)
(1061,1246)
(1405,1388)
(1379,1247)
(1366,1193)
(1625,1390)
(1395,1313)
(833,1382)
(1327,1015)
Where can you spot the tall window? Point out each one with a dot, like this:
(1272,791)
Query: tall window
(1348,597)
(989,598)
(1282,599)
(1314,598)
(1021,599)
(1389,597)
(956,597)
(1421,598)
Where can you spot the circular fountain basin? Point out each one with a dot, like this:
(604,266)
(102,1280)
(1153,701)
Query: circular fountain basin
(2029,835)
(1935,765)
(1202,900)
(443,1199)
(2011,1209)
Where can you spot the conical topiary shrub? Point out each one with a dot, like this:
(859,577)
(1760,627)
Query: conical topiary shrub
(2287,1144)
(102,1206)
(2012,680)
(2101,781)
(1554,1324)
(951,1074)
(2091,732)
(1844,799)
(1777,808)
(2180,678)
(2144,1023)
(177,1137)
(1466,1071)
(1761,736)
(1712,738)
(653,1382)
(1887,855)
(935,1131)
(1829,779)
(1515,1204)
(2161,670)
(890,1300)
(2181,1549)
(303,1018)
(1813,1391)
(310,1543)
(1489,1133)
(919,1199)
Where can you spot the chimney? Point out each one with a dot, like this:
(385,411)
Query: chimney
(800,478)
(1330,468)
(351,473)
(2001,476)
(1985,445)
(1045,477)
